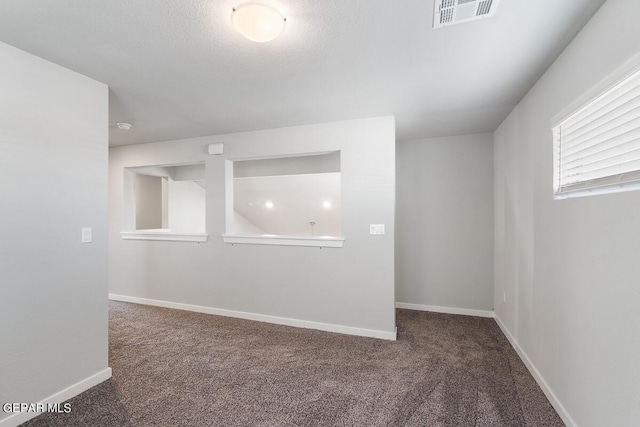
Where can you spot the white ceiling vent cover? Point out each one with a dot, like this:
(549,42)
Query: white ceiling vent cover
(450,12)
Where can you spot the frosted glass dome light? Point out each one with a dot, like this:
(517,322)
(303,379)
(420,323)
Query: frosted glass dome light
(258,21)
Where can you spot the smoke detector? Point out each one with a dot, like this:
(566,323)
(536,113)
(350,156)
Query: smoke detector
(450,12)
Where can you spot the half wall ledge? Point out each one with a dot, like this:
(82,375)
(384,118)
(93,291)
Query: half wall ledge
(165,235)
(257,239)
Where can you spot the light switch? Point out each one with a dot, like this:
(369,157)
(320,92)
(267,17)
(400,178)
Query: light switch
(376,228)
(87,235)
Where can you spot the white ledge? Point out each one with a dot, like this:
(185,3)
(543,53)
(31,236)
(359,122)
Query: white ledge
(165,235)
(259,239)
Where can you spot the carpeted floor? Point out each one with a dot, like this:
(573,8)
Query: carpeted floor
(176,368)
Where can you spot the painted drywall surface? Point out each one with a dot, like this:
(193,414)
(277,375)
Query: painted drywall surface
(571,267)
(148,191)
(187,207)
(350,286)
(444,234)
(242,225)
(323,163)
(53,182)
(186,172)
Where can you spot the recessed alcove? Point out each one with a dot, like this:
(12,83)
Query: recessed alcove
(166,202)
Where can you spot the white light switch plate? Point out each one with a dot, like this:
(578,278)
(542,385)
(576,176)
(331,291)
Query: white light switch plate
(87,235)
(376,228)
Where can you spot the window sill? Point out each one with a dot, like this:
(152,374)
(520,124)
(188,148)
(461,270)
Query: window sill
(257,239)
(164,235)
(593,190)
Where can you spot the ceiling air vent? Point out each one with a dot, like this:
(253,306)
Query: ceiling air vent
(450,12)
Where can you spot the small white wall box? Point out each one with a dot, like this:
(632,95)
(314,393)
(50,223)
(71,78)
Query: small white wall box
(216,148)
(376,228)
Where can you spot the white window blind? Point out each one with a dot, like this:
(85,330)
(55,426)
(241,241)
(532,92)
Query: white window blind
(599,145)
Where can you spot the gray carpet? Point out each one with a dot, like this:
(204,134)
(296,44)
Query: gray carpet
(176,368)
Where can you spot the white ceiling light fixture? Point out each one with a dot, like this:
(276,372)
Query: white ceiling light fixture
(268,205)
(258,21)
(124,126)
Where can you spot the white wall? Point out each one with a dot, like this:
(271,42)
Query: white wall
(444,235)
(149,202)
(571,268)
(53,182)
(242,225)
(323,163)
(187,209)
(186,172)
(351,287)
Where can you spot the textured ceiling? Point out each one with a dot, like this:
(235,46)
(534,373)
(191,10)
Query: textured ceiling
(177,69)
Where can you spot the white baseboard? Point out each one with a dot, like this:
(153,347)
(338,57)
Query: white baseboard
(59,397)
(446,310)
(348,330)
(566,418)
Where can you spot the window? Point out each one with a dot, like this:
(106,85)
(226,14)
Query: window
(598,147)
(289,200)
(168,203)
